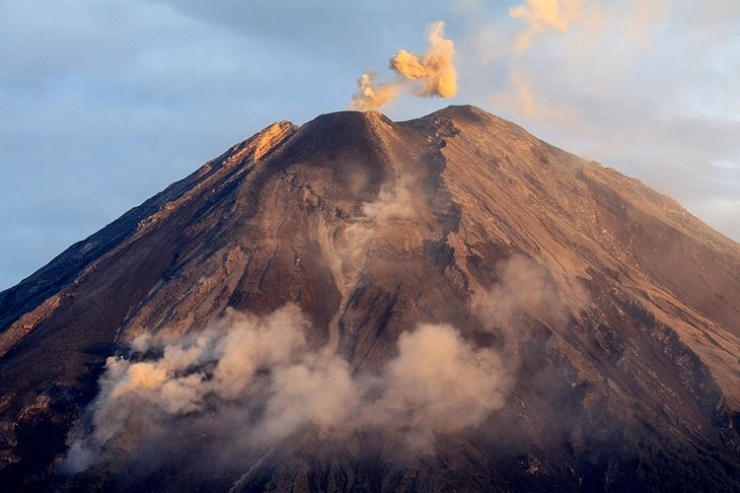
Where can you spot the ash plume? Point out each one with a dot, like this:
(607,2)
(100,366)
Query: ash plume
(429,75)
(250,383)
(372,94)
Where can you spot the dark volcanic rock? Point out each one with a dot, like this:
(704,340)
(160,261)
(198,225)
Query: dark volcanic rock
(614,312)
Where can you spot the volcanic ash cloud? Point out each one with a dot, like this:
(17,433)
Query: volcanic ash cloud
(429,75)
(252,383)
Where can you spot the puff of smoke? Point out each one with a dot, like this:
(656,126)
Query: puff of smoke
(220,362)
(250,383)
(523,287)
(429,75)
(434,69)
(396,201)
(371,94)
(438,384)
(319,391)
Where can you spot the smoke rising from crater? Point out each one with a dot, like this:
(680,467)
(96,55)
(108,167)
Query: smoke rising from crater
(372,94)
(249,383)
(429,75)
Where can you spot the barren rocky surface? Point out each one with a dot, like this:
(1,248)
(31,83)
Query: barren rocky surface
(608,316)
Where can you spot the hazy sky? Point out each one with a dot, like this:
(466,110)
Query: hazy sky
(104,103)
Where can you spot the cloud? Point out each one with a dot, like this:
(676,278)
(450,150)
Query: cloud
(318,391)
(543,15)
(429,75)
(250,383)
(524,96)
(174,375)
(396,200)
(645,87)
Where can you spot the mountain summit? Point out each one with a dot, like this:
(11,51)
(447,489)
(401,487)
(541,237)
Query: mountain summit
(358,304)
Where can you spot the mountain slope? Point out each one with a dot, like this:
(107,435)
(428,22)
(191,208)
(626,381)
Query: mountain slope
(606,317)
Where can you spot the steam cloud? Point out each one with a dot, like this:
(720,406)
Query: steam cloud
(248,382)
(429,75)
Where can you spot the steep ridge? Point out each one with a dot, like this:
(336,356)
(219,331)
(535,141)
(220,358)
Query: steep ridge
(69,266)
(606,317)
(580,216)
(53,349)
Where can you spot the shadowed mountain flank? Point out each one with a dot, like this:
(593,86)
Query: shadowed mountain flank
(357,304)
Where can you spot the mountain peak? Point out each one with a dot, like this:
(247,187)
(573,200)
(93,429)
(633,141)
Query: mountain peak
(447,302)
(466,112)
(272,136)
(346,123)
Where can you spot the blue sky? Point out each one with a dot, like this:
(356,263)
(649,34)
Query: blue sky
(105,103)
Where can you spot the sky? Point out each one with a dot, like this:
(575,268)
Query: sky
(103,104)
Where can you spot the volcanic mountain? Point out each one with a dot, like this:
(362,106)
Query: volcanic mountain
(357,304)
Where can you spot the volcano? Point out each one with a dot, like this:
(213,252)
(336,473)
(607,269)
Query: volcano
(357,304)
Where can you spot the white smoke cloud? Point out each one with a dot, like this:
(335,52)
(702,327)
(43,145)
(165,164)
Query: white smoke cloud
(437,384)
(429,75)
(396,201)
(523,93)
(221,362)
(347,249)
(319,390)
(434,69)
(523,287)
(258,380)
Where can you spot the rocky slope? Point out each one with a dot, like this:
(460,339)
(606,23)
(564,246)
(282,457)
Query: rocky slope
(467,307)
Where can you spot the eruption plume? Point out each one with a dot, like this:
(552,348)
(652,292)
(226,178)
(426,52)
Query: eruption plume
(373,95)
(429,75)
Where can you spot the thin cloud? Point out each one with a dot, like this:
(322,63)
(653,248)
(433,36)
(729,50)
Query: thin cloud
(643,87)
(543,15)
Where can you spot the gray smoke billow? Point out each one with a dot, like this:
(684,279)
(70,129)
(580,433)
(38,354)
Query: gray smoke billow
(244,384)
(251,382)
(522,287)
